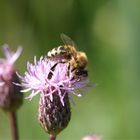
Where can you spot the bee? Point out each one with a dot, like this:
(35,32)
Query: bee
(64,52)
(67,53)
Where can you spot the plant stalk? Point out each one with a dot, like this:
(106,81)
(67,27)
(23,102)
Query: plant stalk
(52,137)
(14,127)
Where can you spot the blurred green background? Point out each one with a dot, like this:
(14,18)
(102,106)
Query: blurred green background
(109,32)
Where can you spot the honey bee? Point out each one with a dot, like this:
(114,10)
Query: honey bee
(67,53)
(64,52)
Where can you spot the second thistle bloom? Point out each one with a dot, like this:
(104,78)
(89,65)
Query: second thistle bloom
(10,96)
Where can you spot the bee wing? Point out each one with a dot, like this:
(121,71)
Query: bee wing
(67,40)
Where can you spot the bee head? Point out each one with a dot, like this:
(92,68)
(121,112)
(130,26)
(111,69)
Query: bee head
(81,72)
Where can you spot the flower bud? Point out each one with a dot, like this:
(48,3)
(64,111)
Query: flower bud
(53,116)
(92,137)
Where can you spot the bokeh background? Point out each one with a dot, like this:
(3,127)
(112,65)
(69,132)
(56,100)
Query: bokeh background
(109,32)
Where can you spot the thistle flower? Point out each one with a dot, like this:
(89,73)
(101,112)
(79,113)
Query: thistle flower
(55,82)
(10,96)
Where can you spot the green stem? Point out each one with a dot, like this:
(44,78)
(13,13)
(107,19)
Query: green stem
(52,137)
(14,128)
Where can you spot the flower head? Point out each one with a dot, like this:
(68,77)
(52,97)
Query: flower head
(92,137)
(49,77)
(10,96)
(55,82)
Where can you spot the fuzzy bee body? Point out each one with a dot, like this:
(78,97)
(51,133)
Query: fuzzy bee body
(62,53)
(59,51)
(67,53)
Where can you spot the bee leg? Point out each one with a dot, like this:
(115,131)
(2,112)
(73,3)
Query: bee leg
(68,69)
(52,69)
(73,69)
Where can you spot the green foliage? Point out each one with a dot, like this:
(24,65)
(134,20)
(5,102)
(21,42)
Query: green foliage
(108,31)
